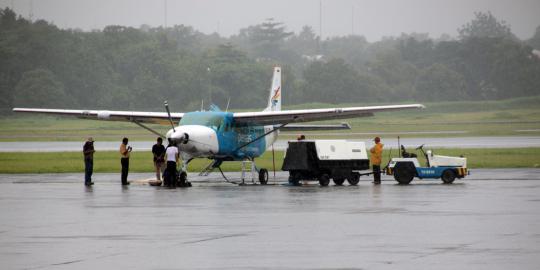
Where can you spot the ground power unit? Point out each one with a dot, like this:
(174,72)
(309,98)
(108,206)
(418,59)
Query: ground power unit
(323,160)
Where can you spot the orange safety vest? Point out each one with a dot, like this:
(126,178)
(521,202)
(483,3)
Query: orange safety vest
(376,154)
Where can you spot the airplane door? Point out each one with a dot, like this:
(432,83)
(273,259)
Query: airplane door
(227,137)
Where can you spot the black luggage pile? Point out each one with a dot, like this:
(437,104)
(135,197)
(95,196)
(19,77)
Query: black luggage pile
(179,179)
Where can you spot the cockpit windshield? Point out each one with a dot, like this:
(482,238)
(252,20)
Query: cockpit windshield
(208,119)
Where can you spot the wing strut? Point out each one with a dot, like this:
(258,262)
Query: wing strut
(147,128)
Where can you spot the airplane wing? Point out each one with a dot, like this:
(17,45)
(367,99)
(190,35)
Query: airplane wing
(262,118)
(142,117)
(291,116)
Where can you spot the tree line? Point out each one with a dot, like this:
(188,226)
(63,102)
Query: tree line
(126,68)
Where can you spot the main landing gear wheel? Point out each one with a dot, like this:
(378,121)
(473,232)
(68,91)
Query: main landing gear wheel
(448,176)
(324,180)
(404,172)
(339,181)
(354,179)
(263,176)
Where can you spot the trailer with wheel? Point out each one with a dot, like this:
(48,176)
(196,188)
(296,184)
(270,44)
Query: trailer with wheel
(407,167)
(325,160)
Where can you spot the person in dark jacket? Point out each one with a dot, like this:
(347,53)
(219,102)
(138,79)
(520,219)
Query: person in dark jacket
(88,152)
(158,150)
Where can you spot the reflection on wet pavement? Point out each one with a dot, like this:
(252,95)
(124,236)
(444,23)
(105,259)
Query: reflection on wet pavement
(54,222)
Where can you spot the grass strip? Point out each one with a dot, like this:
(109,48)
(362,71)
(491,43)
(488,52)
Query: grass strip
(109,161)
(519,117)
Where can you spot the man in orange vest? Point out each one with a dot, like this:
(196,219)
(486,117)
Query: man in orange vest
(376,157)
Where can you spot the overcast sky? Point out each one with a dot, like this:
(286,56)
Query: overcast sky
(373,19)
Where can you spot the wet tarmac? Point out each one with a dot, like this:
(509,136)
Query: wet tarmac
(452,142)
(53,222)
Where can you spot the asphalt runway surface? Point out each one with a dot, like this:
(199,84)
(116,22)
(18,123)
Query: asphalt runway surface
(490,220)
(442,142)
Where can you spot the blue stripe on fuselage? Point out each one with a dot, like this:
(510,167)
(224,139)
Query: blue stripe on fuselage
(230,134)
(234,135)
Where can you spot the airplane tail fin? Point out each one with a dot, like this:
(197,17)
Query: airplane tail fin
(274,100)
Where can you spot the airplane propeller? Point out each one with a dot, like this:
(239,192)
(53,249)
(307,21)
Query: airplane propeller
(169,114)
(184,138)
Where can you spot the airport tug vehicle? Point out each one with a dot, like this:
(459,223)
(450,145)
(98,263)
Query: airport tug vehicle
(405,168)
(322,160)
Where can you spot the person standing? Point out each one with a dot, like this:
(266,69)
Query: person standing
(376,158)
(172,159)
(159,157)
(125,150)
(88,152)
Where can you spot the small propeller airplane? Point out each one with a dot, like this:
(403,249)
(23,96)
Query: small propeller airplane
(227,136)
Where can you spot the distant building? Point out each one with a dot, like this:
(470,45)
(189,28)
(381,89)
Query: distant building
(314,58)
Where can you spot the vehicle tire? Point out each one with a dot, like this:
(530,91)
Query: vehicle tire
(353,179)
(339,181)
(324,180)
(404,172)
(448,176)
(263,176)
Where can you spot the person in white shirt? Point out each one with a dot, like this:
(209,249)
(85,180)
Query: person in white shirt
(171,153)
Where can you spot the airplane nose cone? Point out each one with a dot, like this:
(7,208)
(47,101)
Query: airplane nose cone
(196,140)
(178,136)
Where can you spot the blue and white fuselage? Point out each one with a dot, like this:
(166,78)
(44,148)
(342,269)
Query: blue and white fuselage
(215,134)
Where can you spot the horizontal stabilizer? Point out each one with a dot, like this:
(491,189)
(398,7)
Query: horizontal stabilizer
(315,127)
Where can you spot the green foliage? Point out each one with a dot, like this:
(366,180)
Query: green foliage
(306,42)
(108,161)
(440,82)
(40,87)
(337,82)
(486,25)
(267,39)
(125,68)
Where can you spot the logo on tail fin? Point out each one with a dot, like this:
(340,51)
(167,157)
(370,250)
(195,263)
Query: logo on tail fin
(275,97)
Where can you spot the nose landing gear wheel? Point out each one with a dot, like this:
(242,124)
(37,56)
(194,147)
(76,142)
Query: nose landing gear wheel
(263,176)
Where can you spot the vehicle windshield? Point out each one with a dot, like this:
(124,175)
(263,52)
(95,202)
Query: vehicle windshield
(208,119)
